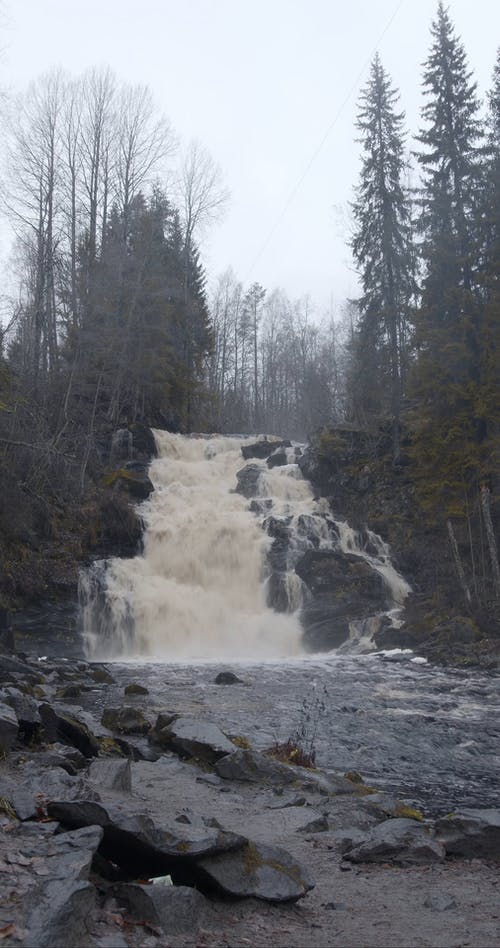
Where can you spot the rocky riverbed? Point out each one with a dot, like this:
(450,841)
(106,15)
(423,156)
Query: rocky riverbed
(130,815)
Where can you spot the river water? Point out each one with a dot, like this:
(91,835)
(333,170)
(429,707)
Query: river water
(195,602)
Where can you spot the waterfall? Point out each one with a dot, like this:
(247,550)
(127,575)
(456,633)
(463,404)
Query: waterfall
(200,589)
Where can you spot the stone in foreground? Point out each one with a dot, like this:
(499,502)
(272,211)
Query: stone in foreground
(175,909)
(258,871)
(136,844)
(472,833)
(402,842)
(61,915)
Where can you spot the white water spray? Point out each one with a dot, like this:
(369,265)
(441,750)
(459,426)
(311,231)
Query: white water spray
(198,590)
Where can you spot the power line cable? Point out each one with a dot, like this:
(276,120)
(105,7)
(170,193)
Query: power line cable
(319,148)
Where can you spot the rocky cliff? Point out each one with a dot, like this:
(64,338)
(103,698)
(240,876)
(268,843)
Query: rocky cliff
(353,470)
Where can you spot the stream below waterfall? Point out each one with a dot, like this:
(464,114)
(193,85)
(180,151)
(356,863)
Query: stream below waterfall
(197,600)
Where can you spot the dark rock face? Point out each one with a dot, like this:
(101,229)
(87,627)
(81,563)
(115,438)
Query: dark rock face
(262,449)
(261,506)
(248,480)
(68,729)
(133,476)
(352,468)
(277,590)
(277,459)
(342,588)
(474,834)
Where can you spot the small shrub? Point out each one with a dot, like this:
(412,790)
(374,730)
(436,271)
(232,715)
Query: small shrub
(300,747)
(288,752)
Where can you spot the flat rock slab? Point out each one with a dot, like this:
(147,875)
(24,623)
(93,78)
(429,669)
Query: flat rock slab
(402,842)
(195,738)
(30,790)
(474,834)
(277,824)
(258,871)
(175,909)
(136,844)
(250,766)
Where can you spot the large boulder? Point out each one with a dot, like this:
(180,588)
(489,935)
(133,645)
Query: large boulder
(248,480)
(68,729)
(133,842)
(262,449)
(193,738)
(257,871)
(402,842)
(343,588)
(277,458)
(474,834)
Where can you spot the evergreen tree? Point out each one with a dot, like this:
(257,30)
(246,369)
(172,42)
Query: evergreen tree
(451,167)
(488,402)
(382,246)
(447,378)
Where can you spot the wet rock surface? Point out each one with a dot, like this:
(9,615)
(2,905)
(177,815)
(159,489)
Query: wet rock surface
(263,449)
(342,588)
(248,480)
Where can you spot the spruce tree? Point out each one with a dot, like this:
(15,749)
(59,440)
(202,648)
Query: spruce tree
(450,161)
(382,245)
(446,378)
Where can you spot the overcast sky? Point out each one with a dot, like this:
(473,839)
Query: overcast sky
(259,82)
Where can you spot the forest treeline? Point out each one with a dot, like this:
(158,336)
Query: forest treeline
(112,321)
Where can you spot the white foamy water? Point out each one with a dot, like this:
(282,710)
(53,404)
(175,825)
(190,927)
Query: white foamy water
(198,591)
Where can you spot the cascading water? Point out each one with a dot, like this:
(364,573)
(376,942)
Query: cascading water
(198,591)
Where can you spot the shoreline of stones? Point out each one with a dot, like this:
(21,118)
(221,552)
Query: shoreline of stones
(74,842)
